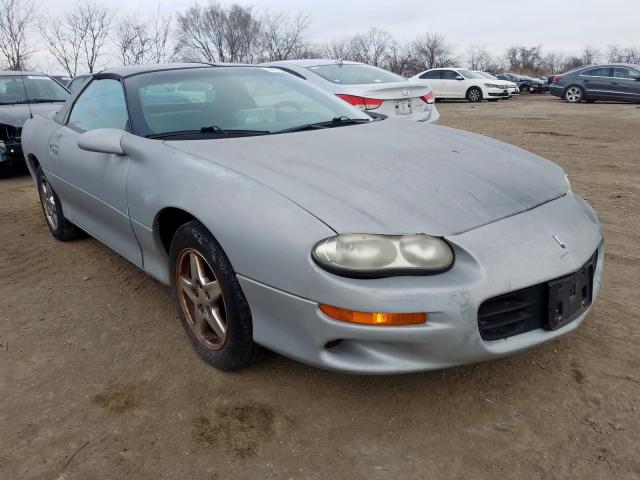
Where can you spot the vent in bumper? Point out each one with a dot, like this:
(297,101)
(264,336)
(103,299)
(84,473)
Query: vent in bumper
(513,313)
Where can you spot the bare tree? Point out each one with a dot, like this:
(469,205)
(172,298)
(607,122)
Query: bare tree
(432,50)
(219,34)
(143,41)
(398,59)
(590,55)
(371,46)
(478,58)
(94,21)
(554,62)
(617,54)
(16,17)
(524,59)
(337,48)
(283,35)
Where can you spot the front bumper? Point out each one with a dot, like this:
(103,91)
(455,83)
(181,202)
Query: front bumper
(501,257)
(497,92)
(11,153)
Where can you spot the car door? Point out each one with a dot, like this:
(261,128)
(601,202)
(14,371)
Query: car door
(432,77)
(92,185)
(626,84)
(453,87)
(597,82)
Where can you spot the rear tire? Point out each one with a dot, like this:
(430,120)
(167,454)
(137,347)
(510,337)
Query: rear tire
(474,95)
(61,228)
(574,94)
(212,308)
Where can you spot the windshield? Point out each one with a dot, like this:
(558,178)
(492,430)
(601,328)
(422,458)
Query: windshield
(237,99)
(30,89)
(487,75)
(469,74)
(354,74)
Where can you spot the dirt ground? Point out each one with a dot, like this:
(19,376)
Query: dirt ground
(97,380)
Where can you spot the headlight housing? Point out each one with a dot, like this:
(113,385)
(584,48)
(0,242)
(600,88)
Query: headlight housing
(377,256)
(492,85)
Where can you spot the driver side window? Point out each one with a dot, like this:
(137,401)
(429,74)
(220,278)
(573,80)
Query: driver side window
(101,105)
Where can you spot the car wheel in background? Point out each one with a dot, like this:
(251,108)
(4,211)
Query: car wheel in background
(61,228)
(574,94)
(211,305)
(474,94)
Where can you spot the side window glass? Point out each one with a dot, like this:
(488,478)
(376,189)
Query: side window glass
(431,75)
(620,72)
(449,75)
(101,105)
(598,72)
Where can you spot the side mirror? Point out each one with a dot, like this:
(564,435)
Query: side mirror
(102,140)
(459,77)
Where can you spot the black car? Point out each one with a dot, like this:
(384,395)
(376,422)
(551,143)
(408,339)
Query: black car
(22,95)
(615,82)
(525,83)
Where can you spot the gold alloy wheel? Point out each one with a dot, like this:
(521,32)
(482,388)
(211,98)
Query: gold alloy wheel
(48,203)
(201,299)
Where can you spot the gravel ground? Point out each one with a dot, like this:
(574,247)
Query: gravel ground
(97,379)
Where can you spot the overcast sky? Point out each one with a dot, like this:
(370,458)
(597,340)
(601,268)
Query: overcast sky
(557,25)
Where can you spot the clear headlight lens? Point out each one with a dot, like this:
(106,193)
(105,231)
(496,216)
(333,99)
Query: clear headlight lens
(374,256)
(492,85)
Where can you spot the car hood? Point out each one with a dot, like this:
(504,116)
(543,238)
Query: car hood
(17,114)
(391,176)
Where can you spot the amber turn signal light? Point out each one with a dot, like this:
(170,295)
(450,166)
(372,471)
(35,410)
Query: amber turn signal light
(366,318)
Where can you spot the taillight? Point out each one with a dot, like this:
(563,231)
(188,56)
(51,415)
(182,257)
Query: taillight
(428,98)
(362,103)
(556,79)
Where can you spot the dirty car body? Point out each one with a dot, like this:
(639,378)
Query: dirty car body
(523,253)
(22,95)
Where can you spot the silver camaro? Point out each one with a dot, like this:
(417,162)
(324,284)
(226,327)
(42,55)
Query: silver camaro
(283,217)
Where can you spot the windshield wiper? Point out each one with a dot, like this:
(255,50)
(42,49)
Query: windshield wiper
(334,122)
(207,130)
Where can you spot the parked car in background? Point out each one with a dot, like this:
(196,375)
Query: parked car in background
(366,87)
(307,227)
(22,95)
(613,82)
(514,91)
(450,83)
(525,83)
(76,82)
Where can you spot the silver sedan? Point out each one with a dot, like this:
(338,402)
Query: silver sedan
(284,218)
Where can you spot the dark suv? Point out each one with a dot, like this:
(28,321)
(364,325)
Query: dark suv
(616,82)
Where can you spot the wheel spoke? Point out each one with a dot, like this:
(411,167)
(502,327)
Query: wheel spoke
(216,323)
(198,274)
(200,321)
(187,288)
(213,291)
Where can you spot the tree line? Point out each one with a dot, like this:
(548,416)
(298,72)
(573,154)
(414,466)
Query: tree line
(91,35)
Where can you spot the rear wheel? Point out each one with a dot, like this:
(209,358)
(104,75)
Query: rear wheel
(61,228)
(211,305)
(474,94)
(574,94)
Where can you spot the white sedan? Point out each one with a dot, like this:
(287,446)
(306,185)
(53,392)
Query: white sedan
(461,83)
(367,87)
(514,91)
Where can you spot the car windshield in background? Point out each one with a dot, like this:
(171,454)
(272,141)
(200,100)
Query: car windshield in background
(487,75)
(205,102)
(30,89)
(355,74)
(470,74)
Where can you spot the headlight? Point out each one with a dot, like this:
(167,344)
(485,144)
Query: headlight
(376,256)
(566,179)
(492,85)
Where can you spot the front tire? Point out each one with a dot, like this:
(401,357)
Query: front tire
(474,95)
(574,94)
(61,228)
(211,305)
